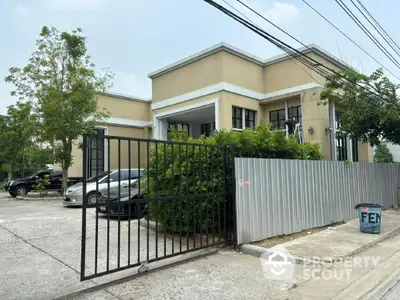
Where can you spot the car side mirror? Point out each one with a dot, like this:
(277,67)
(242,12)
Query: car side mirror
(110,180)
(36,177)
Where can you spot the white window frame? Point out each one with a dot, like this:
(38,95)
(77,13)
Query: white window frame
(349,144)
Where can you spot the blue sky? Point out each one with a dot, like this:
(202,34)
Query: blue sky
(136,37)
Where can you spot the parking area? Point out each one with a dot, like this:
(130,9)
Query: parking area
(40,252)
(40,248)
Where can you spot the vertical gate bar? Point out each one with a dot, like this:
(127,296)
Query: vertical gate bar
(187,199)
(156,199)
(107,206)
(180,196)
(219,203)
(233,184)
(119,203)
(137,205)
(96,250)
(193,198)
(129,205)
(83,241)
(212,191)
(201,206)
(162,203)
(148,199)
(173,199)
(225,193)
(208,194)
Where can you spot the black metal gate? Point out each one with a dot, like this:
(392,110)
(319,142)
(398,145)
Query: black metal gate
(156,199)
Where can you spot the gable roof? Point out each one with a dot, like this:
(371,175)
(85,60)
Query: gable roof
(245,55)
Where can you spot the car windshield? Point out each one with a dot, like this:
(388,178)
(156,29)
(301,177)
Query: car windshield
(98,177)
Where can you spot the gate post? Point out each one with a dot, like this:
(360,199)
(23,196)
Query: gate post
(84,204)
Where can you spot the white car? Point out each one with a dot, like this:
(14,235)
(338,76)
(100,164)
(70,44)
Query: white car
(114,178)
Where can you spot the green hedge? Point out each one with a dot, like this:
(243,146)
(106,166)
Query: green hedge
(184,174)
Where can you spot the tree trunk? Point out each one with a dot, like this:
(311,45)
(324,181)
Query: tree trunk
(64,179)
(9,172)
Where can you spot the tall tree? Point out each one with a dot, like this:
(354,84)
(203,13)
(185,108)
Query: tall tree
(62,82)
(382,154)
(18,134)
(369,105)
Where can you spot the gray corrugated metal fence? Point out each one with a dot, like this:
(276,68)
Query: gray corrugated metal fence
(279,196)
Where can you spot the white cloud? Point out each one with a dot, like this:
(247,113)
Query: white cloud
(131,85)
(279,13)
(76,5)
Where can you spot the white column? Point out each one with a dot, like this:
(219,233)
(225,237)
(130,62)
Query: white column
(349,148)
(217,116)
(333,132)
(286,118)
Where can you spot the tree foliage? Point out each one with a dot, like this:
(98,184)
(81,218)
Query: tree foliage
(369,106)
(177,170)
(62,82)
(18,135)
(382,154)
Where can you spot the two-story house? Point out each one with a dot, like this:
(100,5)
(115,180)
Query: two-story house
(223,87)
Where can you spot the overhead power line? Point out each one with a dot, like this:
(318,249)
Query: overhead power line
(367,32)
(349,38)
(248,19)
(383,30)
(376,24)
(309,61)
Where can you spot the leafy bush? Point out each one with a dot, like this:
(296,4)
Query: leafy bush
(189,183)
(41,185)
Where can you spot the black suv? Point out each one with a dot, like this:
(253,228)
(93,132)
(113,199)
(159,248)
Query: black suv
(22,186)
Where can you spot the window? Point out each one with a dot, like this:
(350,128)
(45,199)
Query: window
(96,154)
(207,129)
(250,118)
(341,147)
(337,119)
(114,176)
(277,118)
(237,118)
(354,148)
(134,174)
(295,111)
(184,128)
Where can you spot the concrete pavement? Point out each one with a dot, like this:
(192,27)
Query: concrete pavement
(344,240)
(40,248)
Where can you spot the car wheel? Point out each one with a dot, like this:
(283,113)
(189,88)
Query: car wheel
(12,194)
(21,190)
(92,198)
(142,210)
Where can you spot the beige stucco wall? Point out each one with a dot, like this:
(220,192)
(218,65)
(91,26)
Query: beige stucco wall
(124,150)
(199,74)
(227,100)
(365,152)
(317,117)
(76,169)
(188,103)
(123,108)
(320,79)
(277,104)
(285,74)
(243,73)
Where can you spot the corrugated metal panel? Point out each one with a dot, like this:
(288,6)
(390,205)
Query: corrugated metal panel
(279,196)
